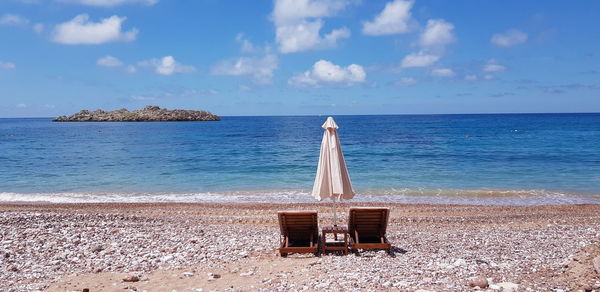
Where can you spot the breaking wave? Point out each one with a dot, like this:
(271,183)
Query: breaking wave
(407,196)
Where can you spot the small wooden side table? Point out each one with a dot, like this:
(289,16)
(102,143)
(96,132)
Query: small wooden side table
(335,230)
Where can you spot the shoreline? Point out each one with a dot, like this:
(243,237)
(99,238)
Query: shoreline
(60,247)
(91,206)
(483,197)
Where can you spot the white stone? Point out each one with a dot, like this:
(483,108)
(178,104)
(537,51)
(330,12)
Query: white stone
(249,273)
(508,286)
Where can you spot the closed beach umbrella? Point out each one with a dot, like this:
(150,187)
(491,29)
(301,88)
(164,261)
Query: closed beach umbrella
(332,179)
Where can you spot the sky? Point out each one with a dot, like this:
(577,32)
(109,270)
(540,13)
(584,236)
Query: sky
(299,57)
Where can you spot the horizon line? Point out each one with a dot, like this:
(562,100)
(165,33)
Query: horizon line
(415,114)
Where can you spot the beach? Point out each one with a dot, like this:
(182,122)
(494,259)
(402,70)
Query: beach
(233,247)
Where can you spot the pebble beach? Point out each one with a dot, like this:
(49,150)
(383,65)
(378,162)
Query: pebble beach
(233,247)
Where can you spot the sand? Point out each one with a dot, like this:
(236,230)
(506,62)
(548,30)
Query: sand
(204,247)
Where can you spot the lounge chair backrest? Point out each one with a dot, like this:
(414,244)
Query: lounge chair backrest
(298,224)
(368,221)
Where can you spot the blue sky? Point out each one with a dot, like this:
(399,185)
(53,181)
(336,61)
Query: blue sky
(299,57)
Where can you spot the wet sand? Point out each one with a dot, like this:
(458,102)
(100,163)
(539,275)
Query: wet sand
(233,247)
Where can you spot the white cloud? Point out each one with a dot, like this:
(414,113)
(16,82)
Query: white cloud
(406,81)
(109,3)
(330,39)
(246,45)
(438,33)
(493,66)
(245,88)
(21,105)
(393,19)
(80,30)
(419,59)
(7,65)
(173,94)
(109,61)
(38,28)
(12,19)
(130,69)
(471,77)
(143,97)
(166,65)
(260,69)
(306,36)
(442,72)
(298,24)
(488,76)
(290,11)
(16,20)
(324,72)
(511,37)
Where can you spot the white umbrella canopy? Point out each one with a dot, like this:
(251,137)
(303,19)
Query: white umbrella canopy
(332,179)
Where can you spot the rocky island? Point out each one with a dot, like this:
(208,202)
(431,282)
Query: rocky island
(151,113)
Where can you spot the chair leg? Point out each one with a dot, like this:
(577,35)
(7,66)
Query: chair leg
(323,244)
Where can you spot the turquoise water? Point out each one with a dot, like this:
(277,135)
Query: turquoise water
(449,158)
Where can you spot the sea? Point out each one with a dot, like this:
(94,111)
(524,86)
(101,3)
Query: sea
(490,159)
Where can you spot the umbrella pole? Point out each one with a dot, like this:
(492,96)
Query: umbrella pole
(334,213)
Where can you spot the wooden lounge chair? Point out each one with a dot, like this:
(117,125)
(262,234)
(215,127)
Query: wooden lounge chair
(367,227)
(299,232)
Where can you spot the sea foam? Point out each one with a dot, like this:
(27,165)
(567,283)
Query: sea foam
(405,196)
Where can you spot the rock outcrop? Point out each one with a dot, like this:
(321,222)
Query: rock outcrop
(149,113)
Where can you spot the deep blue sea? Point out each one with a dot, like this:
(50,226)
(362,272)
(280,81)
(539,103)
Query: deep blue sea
(500,158)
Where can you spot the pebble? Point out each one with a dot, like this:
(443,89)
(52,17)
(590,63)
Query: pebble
(596,262)
(479,281)
(131,278)
(12,268)
(508,286)
(246,274)
(212,276)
